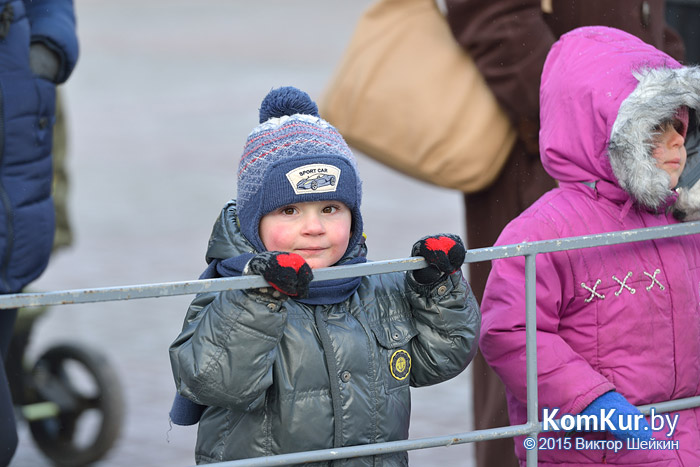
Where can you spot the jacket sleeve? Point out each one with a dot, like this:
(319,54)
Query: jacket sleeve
(224,355)
(447,319)
(508,41)
(53,24)
(565,379)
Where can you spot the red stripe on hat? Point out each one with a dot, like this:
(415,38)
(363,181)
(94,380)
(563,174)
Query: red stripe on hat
(310,129)
(287,144)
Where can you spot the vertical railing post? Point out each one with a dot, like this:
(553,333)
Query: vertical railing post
(531,353)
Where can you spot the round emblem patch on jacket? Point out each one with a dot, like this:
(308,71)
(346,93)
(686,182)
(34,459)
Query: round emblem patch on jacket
(400,364)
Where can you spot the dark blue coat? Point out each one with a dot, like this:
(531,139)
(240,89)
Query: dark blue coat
(27,114)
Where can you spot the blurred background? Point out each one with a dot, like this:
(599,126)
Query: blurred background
(158,109)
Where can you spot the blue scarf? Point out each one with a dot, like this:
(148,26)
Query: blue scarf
(186,412)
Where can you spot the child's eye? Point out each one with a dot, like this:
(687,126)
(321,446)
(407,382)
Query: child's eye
(288,210)
(330,209)
(679,126)
(662,127)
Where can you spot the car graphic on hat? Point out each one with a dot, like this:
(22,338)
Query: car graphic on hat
(315,181)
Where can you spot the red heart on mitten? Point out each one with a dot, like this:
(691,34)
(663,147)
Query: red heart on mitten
(443,244)
(291,260)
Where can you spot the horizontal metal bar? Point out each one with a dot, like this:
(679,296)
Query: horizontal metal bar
(671,406)
(167,289)
(432,442)
(583,241)
(379,448)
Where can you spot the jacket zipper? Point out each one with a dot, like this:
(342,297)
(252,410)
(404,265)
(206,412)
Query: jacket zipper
(327,345)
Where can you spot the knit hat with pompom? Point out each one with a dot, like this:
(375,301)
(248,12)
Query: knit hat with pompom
(294,156)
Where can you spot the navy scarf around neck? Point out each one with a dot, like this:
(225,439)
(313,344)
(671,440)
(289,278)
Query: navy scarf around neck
(186,412)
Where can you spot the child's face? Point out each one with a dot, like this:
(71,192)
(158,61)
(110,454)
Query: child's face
(318,231)
(669,150)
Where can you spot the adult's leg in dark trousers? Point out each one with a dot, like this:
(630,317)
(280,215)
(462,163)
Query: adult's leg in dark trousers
(8,425)
(521,182)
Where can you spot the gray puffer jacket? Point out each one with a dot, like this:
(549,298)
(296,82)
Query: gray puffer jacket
(279,376)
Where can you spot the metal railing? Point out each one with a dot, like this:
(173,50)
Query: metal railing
(529,250)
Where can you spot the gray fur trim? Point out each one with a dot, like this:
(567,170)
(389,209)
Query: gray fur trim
(657,96)
(687,208)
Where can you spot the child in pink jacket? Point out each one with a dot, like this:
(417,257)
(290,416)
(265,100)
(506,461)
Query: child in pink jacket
(617,326)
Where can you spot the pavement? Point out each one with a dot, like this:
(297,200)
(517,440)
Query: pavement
(163,97)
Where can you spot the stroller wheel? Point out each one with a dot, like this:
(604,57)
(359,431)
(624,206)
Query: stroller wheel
(87,392)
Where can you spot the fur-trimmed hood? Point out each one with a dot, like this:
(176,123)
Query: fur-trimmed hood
(603,92)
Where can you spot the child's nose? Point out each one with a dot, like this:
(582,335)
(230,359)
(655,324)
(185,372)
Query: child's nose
(313,225)
(676,139)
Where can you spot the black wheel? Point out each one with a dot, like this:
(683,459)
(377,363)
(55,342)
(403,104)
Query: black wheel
(87,391)
(314,185)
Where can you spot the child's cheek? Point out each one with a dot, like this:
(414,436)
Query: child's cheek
(278,241)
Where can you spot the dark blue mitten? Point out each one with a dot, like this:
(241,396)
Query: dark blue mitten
(287,272)
(615,400)
(185,412)
(444,253)
(43,61)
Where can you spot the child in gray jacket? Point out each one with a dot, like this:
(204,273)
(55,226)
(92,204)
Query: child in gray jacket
(304,365)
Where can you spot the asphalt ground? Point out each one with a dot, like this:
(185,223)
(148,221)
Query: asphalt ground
(159,106)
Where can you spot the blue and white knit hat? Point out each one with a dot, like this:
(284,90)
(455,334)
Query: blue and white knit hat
(294,156)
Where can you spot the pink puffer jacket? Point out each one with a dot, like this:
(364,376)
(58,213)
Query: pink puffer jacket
(620,317)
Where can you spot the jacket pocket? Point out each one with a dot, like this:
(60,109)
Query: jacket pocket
(394,348)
